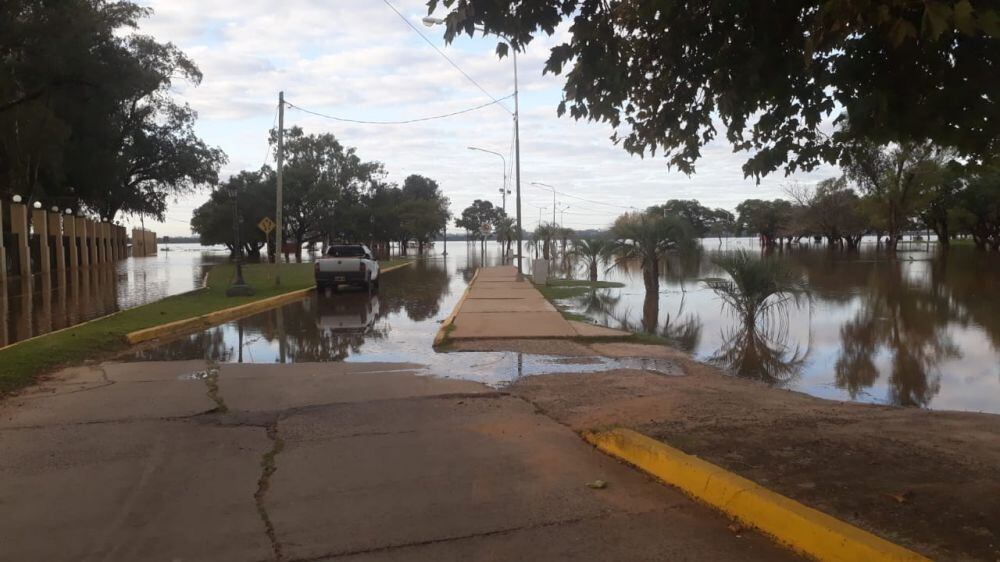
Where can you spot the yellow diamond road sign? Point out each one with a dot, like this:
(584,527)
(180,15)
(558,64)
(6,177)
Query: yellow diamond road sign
(266,224)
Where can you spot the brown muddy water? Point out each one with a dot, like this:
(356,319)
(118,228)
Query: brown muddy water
(921,329)
(46,303)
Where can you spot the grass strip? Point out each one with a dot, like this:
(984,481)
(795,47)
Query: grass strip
(21,363)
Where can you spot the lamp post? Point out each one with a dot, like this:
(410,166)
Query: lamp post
(503,190)
(431,21)
(239,288)
(553,190)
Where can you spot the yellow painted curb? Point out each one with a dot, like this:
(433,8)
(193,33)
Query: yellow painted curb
(442,332)
(791,523)
(206,321)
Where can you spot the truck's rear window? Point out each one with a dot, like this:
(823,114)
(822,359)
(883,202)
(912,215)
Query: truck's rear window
(345,252)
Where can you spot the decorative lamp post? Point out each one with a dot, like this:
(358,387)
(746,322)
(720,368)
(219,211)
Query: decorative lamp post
(239,288)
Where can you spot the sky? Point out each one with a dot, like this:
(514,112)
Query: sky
(358,59)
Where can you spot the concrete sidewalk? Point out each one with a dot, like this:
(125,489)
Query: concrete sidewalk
(497,305)
(355,461)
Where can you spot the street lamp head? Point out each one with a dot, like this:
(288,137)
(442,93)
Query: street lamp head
(69,211)
(37,205)
(16,198)
(431,21)
(55,209)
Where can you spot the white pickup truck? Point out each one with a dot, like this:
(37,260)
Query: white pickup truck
(347,264)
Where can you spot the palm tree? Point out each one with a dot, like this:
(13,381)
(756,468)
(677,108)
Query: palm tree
(757,288)
(593,252)
(545,235)
(506,231)
(646,239)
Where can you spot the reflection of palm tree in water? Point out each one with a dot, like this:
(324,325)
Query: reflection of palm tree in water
(758,291)
(683,334)
(907,322)
(754,352)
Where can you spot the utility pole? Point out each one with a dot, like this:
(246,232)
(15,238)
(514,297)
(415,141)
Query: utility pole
(517,157)
(278,203)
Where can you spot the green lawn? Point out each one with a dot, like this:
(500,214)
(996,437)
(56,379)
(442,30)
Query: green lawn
(568,288)
(22,363)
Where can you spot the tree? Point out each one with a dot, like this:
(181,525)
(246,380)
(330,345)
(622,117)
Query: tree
(697,215)
(86,115)
(942,197)
(593,252)
(645,239)
(668,73)
(480,219)
(424,213)
(978,208)
(895,180)
(319,172)
(834,210)
(769,219)
(213,220)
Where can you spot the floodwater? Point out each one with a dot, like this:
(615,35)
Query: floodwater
(922,329)
(396,324)
(46,303)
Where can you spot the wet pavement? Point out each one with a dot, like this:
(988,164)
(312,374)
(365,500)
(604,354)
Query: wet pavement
(395,324)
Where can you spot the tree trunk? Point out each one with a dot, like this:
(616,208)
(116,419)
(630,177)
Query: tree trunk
(593,271)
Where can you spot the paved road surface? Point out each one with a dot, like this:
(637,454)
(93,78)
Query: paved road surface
(182,461)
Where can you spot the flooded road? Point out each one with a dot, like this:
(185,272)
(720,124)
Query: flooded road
(920,330)
(46,303)
(396,324)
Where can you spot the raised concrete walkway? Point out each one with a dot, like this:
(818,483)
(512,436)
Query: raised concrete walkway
(498,305)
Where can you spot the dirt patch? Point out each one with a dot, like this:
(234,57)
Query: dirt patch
(929,480)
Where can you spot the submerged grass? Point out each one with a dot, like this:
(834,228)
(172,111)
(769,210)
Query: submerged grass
(21,363)
(569,288)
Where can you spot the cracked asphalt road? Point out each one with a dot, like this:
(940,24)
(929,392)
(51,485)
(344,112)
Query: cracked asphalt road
(185,461)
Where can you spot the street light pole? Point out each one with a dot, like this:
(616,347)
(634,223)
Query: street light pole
(553,197)
(431,21)
(239,288)
(504,189)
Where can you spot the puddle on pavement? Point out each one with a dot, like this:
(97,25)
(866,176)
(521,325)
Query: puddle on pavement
(395,325)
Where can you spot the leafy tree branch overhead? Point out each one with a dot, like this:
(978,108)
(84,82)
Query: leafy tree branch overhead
(771,74)
(87,117)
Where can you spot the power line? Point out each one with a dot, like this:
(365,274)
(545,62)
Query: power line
(440,52)
(404,122)
(553,190)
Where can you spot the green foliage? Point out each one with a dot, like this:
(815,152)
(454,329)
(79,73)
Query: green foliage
(769,219)
(758,289)
(645,239)
(896,181)
(478,216)
(669,73)
(86,115)
(594,252)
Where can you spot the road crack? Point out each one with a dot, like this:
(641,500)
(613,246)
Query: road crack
(212,382)
(268,466)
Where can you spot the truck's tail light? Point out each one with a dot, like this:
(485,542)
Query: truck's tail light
(362,267)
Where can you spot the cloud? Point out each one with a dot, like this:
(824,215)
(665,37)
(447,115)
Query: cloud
(357,59)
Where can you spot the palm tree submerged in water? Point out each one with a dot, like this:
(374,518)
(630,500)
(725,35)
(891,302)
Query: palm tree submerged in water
(593,252)
(645,239)
(758,292)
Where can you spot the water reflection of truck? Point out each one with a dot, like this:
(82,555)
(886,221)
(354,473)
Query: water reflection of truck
(348,313)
